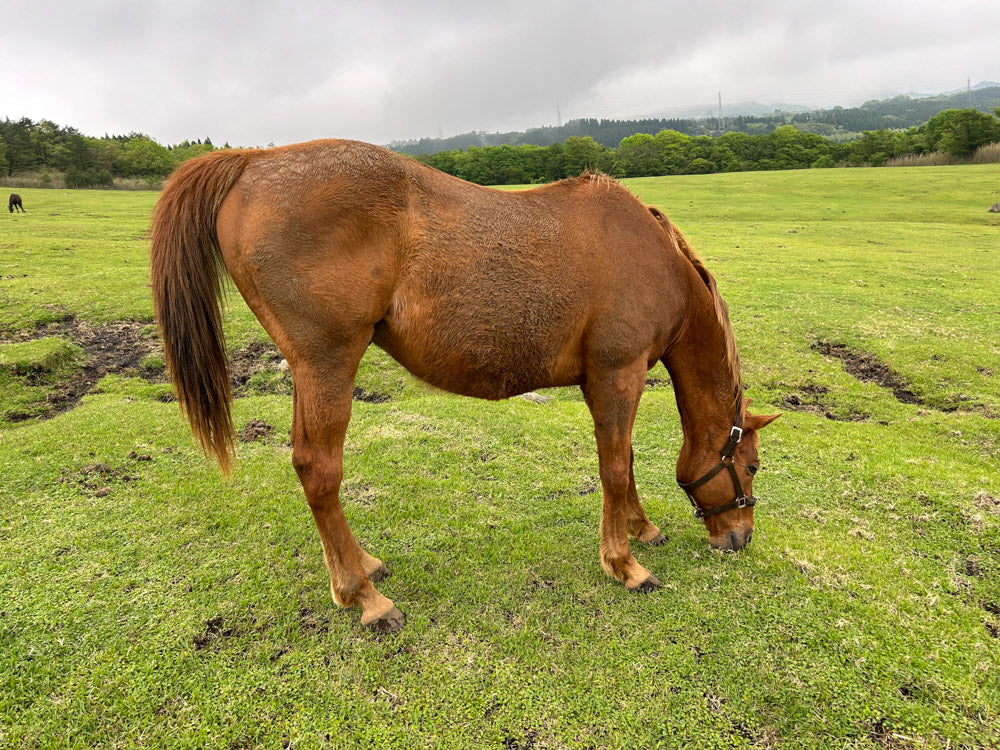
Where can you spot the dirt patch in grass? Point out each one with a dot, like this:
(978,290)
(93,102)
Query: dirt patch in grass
(126,348)
(869,369)
(986,501)
(97,479)
(311,623)
(370,397)
(250,360)
(133,349)
(254,430)
(215,632)
(257,368)
(809,398)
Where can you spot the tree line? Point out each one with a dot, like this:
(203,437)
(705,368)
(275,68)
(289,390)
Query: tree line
(957,133)
(43,147)
(839,123)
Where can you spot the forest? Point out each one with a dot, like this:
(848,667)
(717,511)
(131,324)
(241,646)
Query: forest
(839,123)
(954,135)
(51,152)
(49,155)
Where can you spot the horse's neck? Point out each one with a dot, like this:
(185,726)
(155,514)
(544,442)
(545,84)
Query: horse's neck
(703,379)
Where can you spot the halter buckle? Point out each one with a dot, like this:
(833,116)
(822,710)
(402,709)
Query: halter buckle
(736,434)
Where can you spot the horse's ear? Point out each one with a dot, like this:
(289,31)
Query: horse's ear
(759,421)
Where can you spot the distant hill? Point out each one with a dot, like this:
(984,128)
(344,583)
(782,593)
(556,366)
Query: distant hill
(841,123)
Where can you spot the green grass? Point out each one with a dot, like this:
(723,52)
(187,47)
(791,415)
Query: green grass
(31,372)
(147,602)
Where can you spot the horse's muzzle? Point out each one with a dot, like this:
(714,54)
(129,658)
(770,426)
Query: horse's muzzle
(731,541)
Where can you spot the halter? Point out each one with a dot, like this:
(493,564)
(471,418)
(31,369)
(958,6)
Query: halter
(728,463)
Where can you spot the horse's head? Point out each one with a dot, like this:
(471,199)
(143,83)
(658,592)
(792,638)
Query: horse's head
(717,474)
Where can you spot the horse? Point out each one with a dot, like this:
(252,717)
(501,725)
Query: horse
(336,245)
(15,201)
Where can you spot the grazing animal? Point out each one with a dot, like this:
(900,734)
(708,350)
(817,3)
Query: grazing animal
(15,202)
(336,245)
(995,208)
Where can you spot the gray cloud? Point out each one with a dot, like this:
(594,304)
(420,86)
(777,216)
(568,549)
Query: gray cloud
(260,72)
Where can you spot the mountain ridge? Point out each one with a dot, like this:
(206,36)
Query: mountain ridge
(841,123)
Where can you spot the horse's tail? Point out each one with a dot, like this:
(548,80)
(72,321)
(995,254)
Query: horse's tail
(187,278)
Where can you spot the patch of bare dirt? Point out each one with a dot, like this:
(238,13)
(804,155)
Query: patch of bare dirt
(370,397)
(869,369)
(124,348)
(986,501)
(253,430)
(249,360)
(808,398)
(310,623)
(97,479)
(215,632)
(111,348)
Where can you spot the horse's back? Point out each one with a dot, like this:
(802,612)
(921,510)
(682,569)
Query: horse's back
(479,291)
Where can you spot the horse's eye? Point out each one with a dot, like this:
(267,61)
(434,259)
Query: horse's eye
(752,468)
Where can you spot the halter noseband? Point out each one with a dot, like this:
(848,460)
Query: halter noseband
(728,463)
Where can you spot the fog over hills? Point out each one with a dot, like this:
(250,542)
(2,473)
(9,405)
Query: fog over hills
(840,122)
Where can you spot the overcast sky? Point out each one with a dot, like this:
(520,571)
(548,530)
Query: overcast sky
(281,71)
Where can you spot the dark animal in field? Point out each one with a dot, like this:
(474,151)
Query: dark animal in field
(336,245)
(15,202)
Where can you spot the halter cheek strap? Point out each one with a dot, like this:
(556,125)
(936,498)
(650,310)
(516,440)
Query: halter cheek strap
(728,463)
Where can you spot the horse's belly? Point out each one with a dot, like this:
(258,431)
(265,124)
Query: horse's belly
(486,361)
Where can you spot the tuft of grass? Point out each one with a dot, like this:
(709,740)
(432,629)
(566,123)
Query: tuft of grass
(45,356)
(32,374)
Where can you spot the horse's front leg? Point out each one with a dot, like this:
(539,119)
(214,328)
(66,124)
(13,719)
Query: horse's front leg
(639,525)
(613,398)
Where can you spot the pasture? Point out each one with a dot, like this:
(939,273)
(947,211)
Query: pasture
(145,601)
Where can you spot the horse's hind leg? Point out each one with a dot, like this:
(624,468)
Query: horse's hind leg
(322,410)
(639,525)
(613,397)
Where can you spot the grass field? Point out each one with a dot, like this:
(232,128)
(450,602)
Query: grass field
(144,601)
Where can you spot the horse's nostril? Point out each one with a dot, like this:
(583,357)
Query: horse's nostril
(738,541)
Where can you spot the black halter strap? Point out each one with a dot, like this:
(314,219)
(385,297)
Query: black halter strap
(728,463)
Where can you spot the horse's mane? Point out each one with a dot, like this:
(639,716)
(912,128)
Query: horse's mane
(721,308)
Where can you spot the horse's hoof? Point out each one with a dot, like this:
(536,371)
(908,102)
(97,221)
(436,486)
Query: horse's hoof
(657,540)
(650,584)
(390,622)
(379,573)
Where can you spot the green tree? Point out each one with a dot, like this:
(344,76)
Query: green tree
(582,154)
(959,132)
(141,156)
(639,156)
(673,148)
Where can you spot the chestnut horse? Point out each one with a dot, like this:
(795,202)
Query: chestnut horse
(336,245)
